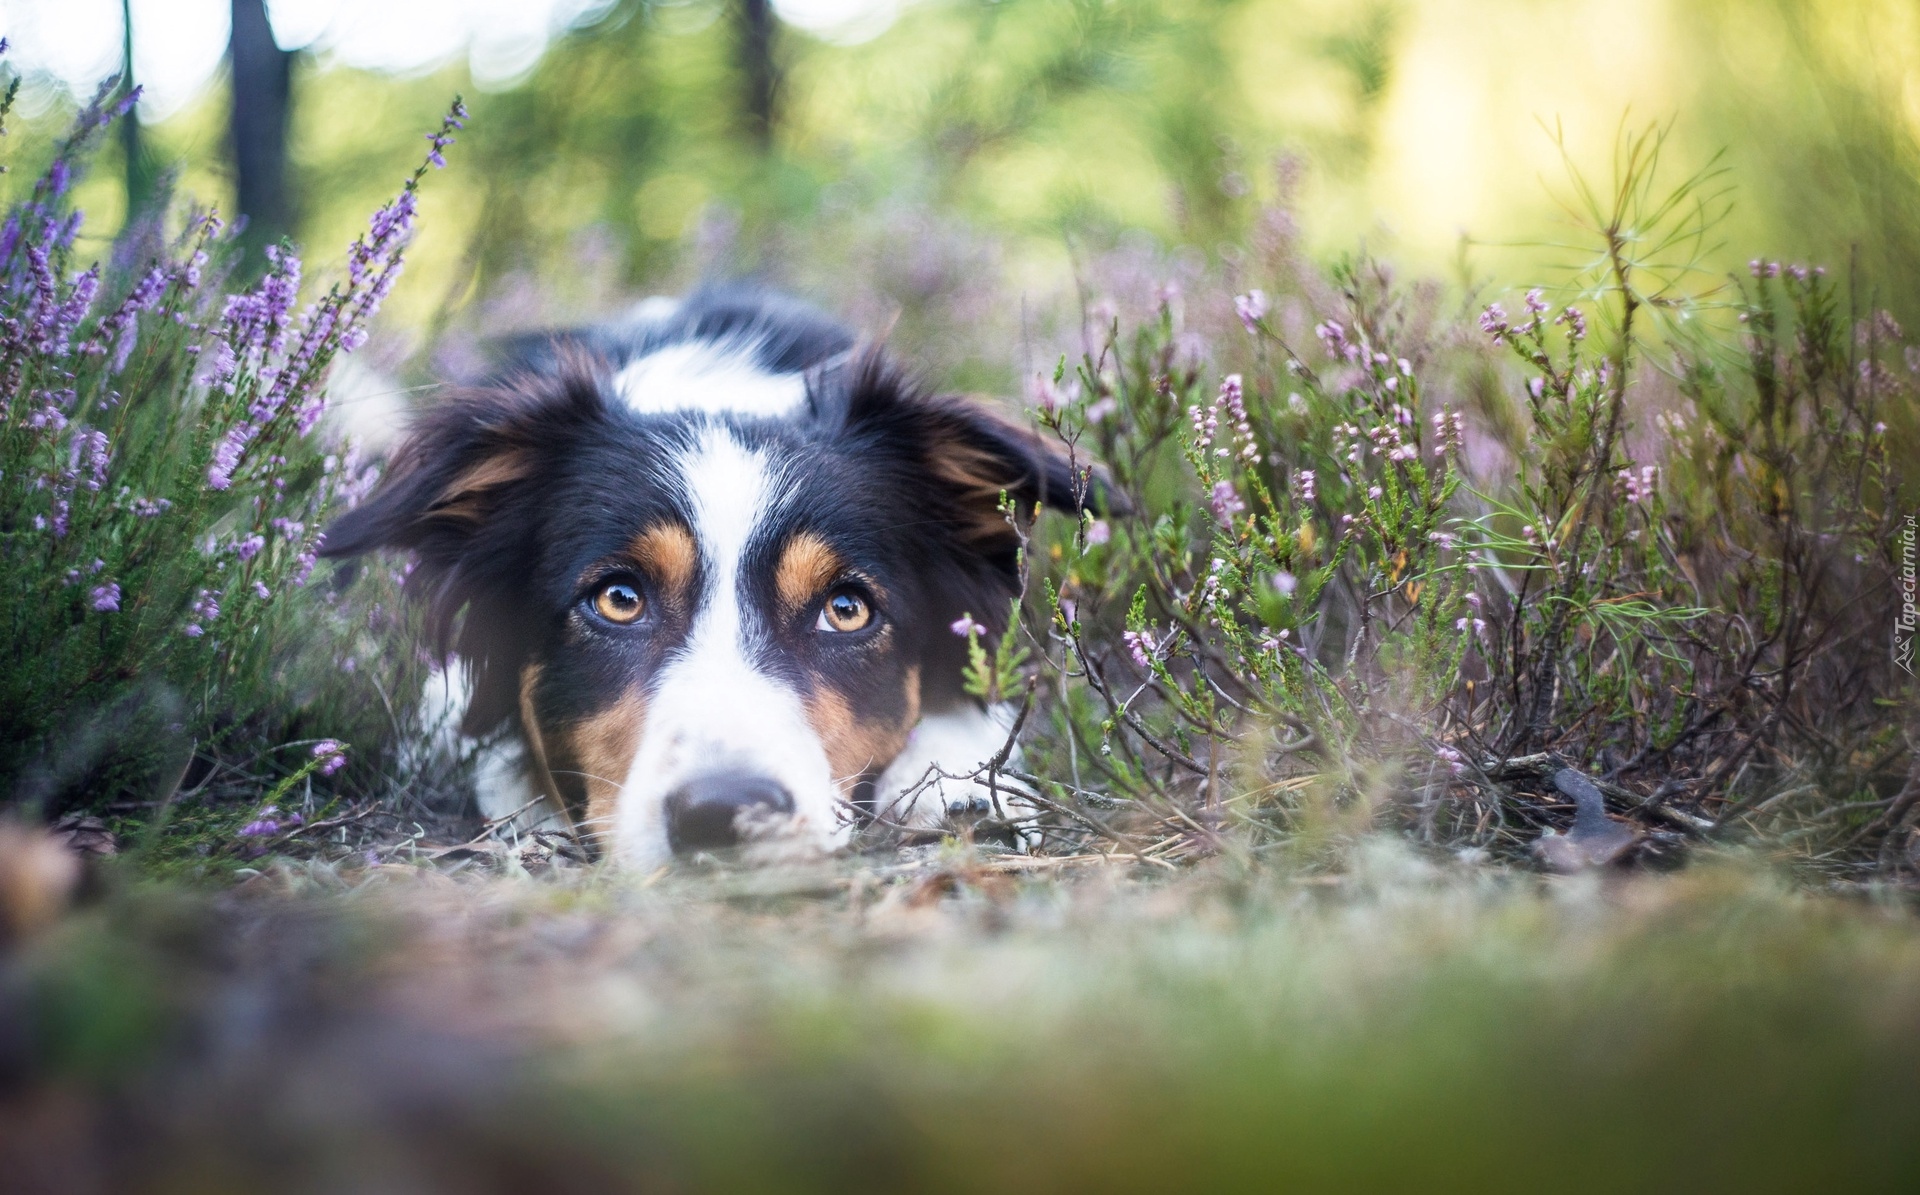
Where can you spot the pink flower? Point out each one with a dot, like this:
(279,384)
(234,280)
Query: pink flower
(105,598)
(966,627)
(1493,321)
(1098,532)
(1226,502)
(1140,647)
(333,755)
(1251,308)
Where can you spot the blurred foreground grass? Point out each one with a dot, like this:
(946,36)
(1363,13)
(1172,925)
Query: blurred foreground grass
(943,1025)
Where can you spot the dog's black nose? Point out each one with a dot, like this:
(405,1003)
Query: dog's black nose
(706,813)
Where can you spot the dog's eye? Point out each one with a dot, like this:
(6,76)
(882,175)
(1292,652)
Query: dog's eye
(618,601)
(845,611)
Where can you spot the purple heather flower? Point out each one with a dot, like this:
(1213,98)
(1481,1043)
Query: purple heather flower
(1251,308)
(1098,532)
(332,753)
(217,368)
(226,458)
(261,591)
(1049,395)
(1285,582)
(105,598)
(263,828)
(1226,502)
(966,627)
(1493,321)
(248,548)
(91,444)
(1306,480)
(1576,322)
(206,606)
(259,318)
(1140,647)
(193,630)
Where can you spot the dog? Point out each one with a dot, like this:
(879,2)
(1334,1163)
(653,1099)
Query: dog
(709,570)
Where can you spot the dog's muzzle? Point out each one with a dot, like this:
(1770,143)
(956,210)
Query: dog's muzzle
(724,809)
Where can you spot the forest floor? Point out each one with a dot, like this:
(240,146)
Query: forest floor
(952,1020)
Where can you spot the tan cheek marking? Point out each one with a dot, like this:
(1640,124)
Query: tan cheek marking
(855,748)
(601,749)
(667,552)
(536,742)
(806,567)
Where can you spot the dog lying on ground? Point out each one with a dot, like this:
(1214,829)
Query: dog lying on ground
(702,568)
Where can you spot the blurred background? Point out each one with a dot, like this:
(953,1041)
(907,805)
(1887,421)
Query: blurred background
(916,163)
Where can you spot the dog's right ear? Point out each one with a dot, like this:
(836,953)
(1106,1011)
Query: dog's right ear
(460,494)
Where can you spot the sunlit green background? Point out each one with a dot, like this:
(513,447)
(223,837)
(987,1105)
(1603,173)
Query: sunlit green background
(1422,130)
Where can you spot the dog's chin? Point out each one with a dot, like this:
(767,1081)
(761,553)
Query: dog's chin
(764,838)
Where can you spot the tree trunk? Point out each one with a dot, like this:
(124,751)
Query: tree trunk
(760,72)
(139,168)
(262,92)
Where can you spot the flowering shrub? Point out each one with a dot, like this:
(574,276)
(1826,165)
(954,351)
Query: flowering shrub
(162,486)
(1376,576)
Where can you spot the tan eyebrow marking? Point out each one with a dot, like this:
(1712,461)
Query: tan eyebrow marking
(667,552)
(855,748)
(806,567)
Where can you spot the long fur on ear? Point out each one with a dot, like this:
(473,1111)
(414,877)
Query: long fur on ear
(460,494)
(970,454)
(951,459)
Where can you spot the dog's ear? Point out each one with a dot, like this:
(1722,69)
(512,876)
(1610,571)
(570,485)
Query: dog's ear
(967,455)
(459,494)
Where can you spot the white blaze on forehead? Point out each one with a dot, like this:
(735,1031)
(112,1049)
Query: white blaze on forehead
(714,709)
(704,375)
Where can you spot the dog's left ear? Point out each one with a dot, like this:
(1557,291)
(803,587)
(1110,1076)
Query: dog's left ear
(965,456)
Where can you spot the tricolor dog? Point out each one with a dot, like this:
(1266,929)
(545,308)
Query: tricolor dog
(701,568)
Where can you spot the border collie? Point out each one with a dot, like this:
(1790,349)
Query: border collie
(702,568)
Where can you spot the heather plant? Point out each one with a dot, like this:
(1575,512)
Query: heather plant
(163,480)
(1408,568)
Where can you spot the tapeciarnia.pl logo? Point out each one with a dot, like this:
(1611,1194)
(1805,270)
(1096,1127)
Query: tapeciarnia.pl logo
(1903,626)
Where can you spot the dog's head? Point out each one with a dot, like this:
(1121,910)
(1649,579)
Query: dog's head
(700,614)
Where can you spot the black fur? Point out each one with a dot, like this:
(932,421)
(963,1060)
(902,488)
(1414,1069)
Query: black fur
(509,494)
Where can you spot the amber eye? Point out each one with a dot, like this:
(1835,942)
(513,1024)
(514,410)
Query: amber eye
(845,611)
(618,602)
